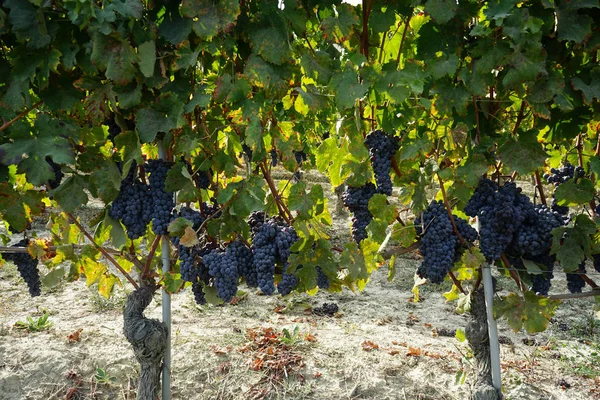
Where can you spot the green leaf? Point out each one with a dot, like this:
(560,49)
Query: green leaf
(53,278)
(172,282)
(573,193)
(340,27)
(271,44)
(523,157)
(163,116)
(121,58)
(129,8)
(174,28)
(473,169)
(70,194)
(441,11)
(117,233)
(573,26)
(531,312)
(147,58)
(591,91)
(15,206)
(254,138)
(347,88)
(106,181)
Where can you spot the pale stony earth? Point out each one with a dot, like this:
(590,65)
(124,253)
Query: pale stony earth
(381,345)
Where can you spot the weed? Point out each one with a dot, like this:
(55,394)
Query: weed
(35,325)
(103,377)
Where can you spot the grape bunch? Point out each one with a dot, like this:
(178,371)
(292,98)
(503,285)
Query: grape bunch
(541,283)
(575,282)
(382,148)
(223,268)
(558,176)
(201,178)
(256,219)
(274,157)
(187,266)
(113,128)
(134,205)
(163,201)
(57,171)
(534,236)
(288,282)
(198,293)
(357,201)
(327,309)
(323,281)
(596,262)
(27,267)
(438,242)
(300,157)
(271,242)
(247,151)
(243,258)
(501,210)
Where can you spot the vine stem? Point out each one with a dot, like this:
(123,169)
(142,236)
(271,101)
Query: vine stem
(478,138)
(103,251)
(283,210)
(519,117)
(402,41)
(449,211)
(570,296)
(456,282)
(539,187)
(579,147)
(151,255)
(21,115)
(589,281)
(512,272)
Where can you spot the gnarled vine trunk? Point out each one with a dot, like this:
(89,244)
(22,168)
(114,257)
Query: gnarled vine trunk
(148,338)
(479,340)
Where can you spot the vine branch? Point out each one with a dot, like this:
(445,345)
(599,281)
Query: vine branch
(402,41)
(283,210)
(21,115)
(539,187)
(449,211)
(103,251)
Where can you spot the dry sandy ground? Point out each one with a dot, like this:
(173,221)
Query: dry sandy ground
(208,342)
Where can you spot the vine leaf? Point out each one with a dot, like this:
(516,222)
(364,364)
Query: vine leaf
(16,207)
(70,194)
(573,193)
(591,91)
(347,88)
(271,44)
(147,58)
(523,157)
(531,312)
(441,11)
(572,244)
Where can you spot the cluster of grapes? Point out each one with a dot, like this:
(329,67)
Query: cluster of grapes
(534,236)
(134,205)
(575,282)
(501,211)
(323,281)
(271,242)
(27,267)
(288,282)
(224,270)
(300,157)
(558,176)
(357,201)
(327,309)
(57,171)
(201,178)
(163,201)
(382,148)
(243,258)
(247,151)
(438,241)
(274,157)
